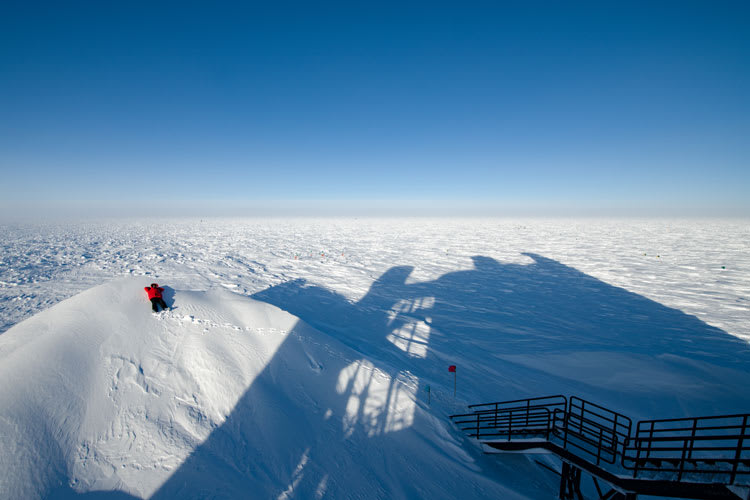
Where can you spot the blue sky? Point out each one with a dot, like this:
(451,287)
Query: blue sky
(486,107)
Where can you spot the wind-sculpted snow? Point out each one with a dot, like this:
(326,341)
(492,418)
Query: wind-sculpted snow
(296,360)
(699,267)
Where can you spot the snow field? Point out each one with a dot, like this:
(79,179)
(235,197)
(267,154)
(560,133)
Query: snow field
(675,262)
(296,361)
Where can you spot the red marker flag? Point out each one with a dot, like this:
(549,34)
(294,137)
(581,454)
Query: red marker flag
(452,368)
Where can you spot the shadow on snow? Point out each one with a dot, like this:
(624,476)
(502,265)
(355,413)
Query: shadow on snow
(514,330)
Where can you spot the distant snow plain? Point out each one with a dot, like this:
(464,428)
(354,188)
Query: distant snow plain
(699,266)
(648,317)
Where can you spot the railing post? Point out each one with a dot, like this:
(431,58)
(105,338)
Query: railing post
(528,409)
(554,419)
(682,460)
(599,447)
(650,441)
(738,453)
(614,437)
(580,422)
(638,444)
(692,441)
(510,424)
(687,451)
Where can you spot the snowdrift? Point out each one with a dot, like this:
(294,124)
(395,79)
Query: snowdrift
(222,396)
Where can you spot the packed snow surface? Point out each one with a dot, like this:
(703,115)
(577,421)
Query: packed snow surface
(296,360)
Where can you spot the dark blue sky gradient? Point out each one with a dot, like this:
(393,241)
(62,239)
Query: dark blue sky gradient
(600,107)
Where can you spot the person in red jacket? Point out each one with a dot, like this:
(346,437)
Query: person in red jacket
(154,295)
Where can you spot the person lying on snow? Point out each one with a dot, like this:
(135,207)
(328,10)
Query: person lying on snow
(154,295)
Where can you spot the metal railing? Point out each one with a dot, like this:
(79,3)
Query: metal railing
(595,430)
(518,418)
(703,446)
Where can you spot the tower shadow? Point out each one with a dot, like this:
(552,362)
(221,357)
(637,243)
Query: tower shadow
(358,426)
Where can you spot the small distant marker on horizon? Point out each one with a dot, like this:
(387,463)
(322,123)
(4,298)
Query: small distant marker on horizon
(723,267)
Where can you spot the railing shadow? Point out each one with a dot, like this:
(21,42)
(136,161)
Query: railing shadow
(513,329)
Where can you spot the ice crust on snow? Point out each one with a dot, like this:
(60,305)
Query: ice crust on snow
(295,362)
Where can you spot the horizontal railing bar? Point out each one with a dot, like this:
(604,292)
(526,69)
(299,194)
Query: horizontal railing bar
(520,400)
(589,403)
(662,452)
(505,433)
(592,412)
(468,425)
(491,423)
(516,413)
(605,440)
(607,424)
(611,444)
(594,431)
(704,428)
(521,409)
(685,467)
(692,419)
(515,409)
(474,416)
(686,471)
(737,429)
(586,409)
(503,418)
(595,423)
(668,447)
(676,462)
(660,439)
(603,419)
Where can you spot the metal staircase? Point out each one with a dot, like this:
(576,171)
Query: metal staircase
(698,457)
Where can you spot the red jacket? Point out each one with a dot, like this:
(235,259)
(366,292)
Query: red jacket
(154,293)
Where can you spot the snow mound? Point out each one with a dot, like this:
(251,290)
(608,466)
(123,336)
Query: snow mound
(111,390)
(221,396)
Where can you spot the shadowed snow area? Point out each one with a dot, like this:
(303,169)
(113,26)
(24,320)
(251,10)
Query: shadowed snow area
(229,396)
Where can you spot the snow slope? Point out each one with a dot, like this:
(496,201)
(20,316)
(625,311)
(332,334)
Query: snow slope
(100,394)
